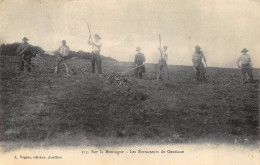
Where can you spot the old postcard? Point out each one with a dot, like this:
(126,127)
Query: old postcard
(129,82)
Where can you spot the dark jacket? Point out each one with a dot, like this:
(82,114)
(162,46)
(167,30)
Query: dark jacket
(139,59)
(25,50)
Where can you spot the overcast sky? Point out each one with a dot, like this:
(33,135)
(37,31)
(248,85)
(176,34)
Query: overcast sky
(221,27)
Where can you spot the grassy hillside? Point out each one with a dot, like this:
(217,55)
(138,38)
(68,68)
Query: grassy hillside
(47,109)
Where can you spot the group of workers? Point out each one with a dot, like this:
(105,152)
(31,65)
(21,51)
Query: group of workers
(162,68)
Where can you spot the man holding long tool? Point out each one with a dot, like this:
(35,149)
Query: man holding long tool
(25,55)
(198,65)
(63,52)
(162,64)
(96,47)
(139,62)
(247,67)
(96,58)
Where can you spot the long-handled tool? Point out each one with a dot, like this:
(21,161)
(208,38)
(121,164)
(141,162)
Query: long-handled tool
(27,64)
(123,73)
(90,36)
(160,40)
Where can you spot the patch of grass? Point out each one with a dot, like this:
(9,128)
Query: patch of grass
(56,109)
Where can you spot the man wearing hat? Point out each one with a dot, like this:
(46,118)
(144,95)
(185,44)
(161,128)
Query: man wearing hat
(96,58)
(139,61)
(62,54)
(197,63)
(162,64)
(246,63)
(25,55)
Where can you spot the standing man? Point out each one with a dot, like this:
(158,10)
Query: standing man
(96,58)
(62,54)
(139,61)
(162,64)
(198,65)
(24,54)
(247,66)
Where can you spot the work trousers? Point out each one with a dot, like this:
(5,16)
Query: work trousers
(162,69)
(25,64)
(58,61)
(200,71)
(96,60)
(247,69)
(139,71)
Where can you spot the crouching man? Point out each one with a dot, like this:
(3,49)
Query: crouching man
(62,54)
(247,67)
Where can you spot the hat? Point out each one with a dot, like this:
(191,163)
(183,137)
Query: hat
(24,38)
(138,48)
(244,50)
(197,47)
(165,46)
(96,35)
(63,41)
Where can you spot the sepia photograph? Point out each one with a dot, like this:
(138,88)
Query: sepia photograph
(140,81)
